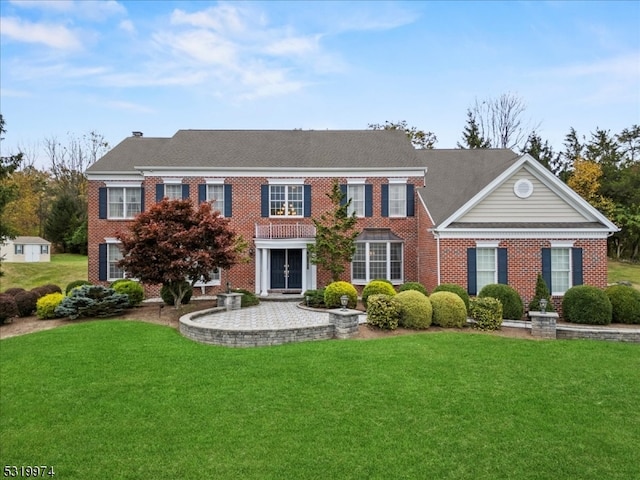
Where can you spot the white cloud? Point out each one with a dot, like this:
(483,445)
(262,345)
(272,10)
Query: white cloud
(127,26)
(51,35)
(199,45)
(92,10)
(293,46)
(222,18)
(128,106)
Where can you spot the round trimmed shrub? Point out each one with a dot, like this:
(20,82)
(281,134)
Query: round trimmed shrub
(167,297)
(457,289)
(248,299)
(335,290)
(449,309)
(415,309)
(385,280)
(316,298)
(588,305)
(417,286)
(625,303)
(375,287)
(74,284)
(46,305)
(487,313)
(26,303)
(132,289)
(14,291)
(8,307)
(51,288)
(383,311)
(512,306)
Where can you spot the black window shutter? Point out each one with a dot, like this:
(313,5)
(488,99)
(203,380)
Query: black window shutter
(264,200)
(546,267)
(102,202)
(202,193)
(472,281)
(411,204)
(307,200)
(159,192)
(102,262)
(385,200)
(502,266)
(576,261)
(142,199)
(368,200)
(185,191)
(227,200)
(343,190)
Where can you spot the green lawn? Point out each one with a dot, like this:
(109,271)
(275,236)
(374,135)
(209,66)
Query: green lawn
(624,271)
(63,269)
(130,400)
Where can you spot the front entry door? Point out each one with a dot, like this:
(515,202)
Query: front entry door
(286,269)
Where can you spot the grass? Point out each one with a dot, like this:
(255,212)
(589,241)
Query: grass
(624,271)
(63,269)
(129,400)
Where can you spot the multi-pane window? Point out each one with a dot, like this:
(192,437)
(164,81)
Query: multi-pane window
(44,249)
(397,200)
(377,260)
(173,191)
(18,249)
(560,270)
(356,194)
(486,267)
(113,256)
(124,202)
(215,195)
(286,200)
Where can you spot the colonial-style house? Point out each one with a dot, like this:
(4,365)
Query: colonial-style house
(26,249)
(469,217)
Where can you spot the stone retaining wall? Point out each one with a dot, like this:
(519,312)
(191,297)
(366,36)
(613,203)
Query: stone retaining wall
(598,333)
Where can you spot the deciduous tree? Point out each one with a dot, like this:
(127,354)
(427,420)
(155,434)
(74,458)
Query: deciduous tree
(419,138)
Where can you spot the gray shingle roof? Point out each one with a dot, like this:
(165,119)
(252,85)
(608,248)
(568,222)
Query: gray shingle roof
(31,241)
(263,149)
(454,176)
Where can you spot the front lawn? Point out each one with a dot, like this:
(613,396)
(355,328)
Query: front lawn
(130,400)
(61,270)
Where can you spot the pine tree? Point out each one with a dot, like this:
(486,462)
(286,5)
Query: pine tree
(471,134)
(542,291)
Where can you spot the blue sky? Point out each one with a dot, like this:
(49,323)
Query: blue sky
(113,67)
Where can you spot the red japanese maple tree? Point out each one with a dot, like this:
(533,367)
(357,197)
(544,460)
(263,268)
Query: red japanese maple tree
(172,242)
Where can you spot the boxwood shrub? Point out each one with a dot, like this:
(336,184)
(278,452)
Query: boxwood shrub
(316,298)
(487,313)
(417,286)
(588,305)
(383,311)
(47,304)
(335,290)
(374,287)
(512,306)
(249,299)
(625,303)
(449,309)
(132,289)
(415,309)
(457,289)
(14,291)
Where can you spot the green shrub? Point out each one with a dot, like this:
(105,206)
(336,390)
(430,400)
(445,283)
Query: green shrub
(47,304)
(14,291)
(625,303)
(248,299)
(415,309)
(335,290)
(449,309)
(314,298)
(167,297)
(26,303)
(74,284)
(132,289)
(487,313)
(512,306)
(588,305)
(382,280)
(542,291)
(383,311)
(417,286)
(8,307)
(374,287)
(92,301)
(457,289)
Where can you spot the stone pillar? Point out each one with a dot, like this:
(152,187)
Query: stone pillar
(543,325)
(345,322)
(232,301)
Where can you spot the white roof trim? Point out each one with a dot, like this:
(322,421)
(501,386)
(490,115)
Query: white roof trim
(547,178)
(559,233)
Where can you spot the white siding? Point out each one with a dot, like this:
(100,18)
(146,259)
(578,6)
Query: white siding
(503,205)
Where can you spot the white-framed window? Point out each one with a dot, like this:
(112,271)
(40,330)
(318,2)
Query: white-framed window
(113,256)
(377,260)
(560,270)
(215,196)
(173,191)
(215,276)
(44,249)
(398,200)
(18,249)
(124,202)
(355,192)
(286,200)
(486,266)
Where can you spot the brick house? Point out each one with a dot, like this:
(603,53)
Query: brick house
(469,217)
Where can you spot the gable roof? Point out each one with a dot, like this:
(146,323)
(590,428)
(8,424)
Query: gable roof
(24,240)
(250,149)
(456,175)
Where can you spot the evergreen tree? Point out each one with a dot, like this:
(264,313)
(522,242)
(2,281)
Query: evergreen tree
(67,214)
(471,135)
(335,235)
(542,291)
(542,152)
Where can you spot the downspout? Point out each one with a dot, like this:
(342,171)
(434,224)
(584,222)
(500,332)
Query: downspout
(438,255)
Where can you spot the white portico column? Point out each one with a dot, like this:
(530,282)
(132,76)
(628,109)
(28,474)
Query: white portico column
(304,270)
(263,273)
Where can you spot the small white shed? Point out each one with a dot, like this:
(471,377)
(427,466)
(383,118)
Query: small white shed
(26,249)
